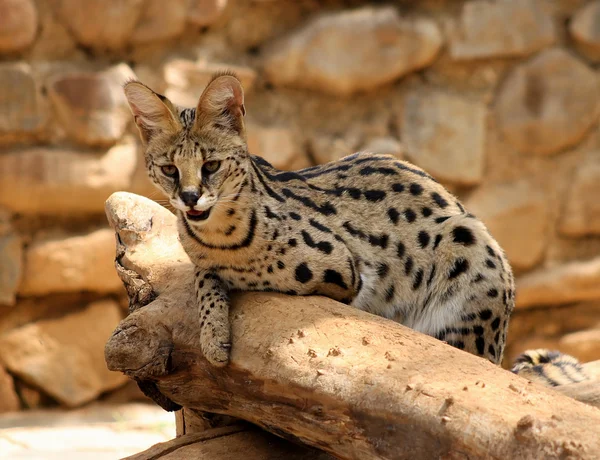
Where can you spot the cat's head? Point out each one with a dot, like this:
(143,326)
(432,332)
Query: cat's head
(197,157)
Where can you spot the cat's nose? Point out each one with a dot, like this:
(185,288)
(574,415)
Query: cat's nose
(190,198)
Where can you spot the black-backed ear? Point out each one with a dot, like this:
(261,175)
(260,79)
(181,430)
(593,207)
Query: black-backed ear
(152,112)
(222,104)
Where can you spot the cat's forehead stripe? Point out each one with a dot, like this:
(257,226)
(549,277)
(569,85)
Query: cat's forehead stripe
(187,117)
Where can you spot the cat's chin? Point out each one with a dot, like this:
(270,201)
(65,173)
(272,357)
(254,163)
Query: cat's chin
(197,216)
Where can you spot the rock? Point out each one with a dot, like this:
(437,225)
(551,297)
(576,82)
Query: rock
(278,146)
(585,29)
(91,106)
(548,103)
(584,345)
(11,257)
(18,25)
(187,79)
(517,215)
(501,28)
(568,283)
(330,148)
(581,214)
(204,13)
(554,322)
(445,135)
(23,111)
(158,22)
(31,309)
(57,181)
(65,356)
(100,24)
(70,263)
(345,52)
(54,42)
(31,397)
(9,401)
(385,145)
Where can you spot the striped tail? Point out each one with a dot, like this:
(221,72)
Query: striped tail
(550,368)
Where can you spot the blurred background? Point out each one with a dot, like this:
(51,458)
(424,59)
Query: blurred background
(498,99)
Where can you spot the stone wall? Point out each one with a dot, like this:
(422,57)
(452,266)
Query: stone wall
(497,99)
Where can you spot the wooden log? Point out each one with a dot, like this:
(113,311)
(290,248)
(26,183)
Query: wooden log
(227,443)
(316,371)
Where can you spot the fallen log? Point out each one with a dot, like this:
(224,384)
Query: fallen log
(227,443)
(313,370)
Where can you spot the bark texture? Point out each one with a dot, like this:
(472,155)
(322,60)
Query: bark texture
(313,370)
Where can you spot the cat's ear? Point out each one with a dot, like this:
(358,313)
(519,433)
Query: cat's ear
(152,112)
(222,104)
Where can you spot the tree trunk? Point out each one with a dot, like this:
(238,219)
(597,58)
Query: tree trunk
(313,370)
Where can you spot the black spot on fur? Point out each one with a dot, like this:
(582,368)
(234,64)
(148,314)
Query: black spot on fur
(478,330)
(492,351)
(478,278)
(485,314)
(441,219)
(490,251)
(303,273)
(437,198)
(463,235)
(334,277)
(354,193)
(480,344)
(431,275)
(270,214)
(295,216)
(438,239)
(389,293)
(461,265)
(423,238)
(426,211)
(459,344)
(270,269)
(398,188)
(327,209)
(418,279)
(408,265)
(495,324)
(393,214)
(400,249)
(230,212)
(323,246)
(368,170)
(319,226)
(381,240)
(374,195)
(492,293)
(415,189)
(497,338)
(490,263)
(383,270)
(410,215)
(280,265)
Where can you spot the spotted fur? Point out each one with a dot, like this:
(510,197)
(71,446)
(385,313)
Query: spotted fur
(368,230)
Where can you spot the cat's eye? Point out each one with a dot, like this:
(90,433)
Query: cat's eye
(169,170)
(211,166)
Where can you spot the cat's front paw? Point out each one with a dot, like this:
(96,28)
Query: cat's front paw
(215,343)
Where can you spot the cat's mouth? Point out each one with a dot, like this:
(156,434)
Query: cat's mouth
(195,215)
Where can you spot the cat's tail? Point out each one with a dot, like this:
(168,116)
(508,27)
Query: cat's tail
(560,371)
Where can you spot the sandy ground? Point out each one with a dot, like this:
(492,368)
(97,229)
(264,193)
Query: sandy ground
(96,432)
